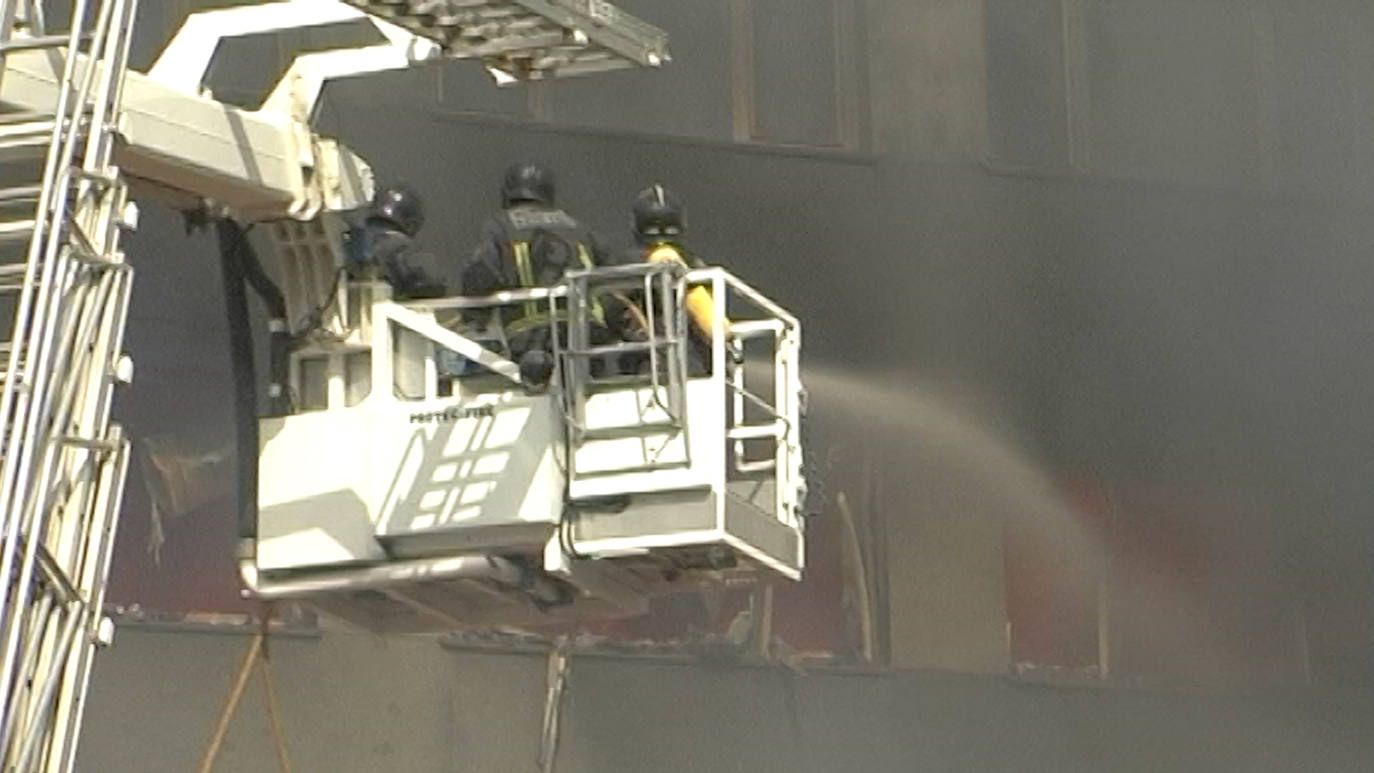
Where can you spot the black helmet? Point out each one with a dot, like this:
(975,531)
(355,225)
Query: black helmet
(401,206)
(528,182)
(657,215)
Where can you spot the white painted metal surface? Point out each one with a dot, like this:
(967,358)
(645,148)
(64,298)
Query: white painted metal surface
(309,258)
(186,59)
(663,459)
(467,474)
(258,164)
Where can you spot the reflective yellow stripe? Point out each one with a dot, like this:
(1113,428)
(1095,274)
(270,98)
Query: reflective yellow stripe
(533,317)
(585,255)
(525,272)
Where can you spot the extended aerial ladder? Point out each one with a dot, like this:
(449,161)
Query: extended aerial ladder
(466,501)
(66,290)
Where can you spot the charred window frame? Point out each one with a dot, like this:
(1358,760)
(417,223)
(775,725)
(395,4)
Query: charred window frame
(773,58)
(1066,97)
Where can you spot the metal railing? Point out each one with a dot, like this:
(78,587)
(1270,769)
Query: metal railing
(743,315)
(655,293)
(764,403)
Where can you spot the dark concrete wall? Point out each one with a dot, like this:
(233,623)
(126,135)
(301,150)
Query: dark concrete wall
(1137,240)
(1116,241)
(356,703)
(1109,240)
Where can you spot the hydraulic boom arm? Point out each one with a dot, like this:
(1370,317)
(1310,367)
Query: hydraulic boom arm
(265,164)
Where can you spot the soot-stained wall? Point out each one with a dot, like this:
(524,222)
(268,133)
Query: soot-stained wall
(1094,247)
(360,703)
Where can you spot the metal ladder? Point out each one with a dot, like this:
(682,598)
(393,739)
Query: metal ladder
(64,292)
(530,39)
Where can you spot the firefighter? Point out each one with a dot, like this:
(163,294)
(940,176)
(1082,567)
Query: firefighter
(659,224)
(530,243)
(384,245)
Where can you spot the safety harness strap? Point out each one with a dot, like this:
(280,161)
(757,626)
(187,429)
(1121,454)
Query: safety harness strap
(533,317)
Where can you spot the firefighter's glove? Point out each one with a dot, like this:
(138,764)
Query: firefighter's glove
(536,370)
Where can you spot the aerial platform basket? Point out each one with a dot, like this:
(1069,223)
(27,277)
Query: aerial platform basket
(460,496)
